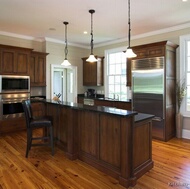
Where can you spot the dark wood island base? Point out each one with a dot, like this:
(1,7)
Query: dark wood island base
(117,142)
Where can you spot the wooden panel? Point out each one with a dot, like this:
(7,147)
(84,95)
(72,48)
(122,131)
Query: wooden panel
(22,63)
(12,125)
(110,144)
(8,61)
(40,70)
(103,103)
(122,105)
(32,69)
(142,142)
(93,72)
(88,132)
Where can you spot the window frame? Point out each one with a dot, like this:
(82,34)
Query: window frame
(107,52)
(183,69)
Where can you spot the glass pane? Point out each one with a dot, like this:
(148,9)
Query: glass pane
(118,69)
(111,69)
(123,97)
(123,80)
(111,80)
(123,68)
(111,58)
(117,79)
(111,88)
(118,58)
(117,89)
(123,90)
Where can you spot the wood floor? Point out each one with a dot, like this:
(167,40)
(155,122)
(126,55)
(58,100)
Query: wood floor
(43,171)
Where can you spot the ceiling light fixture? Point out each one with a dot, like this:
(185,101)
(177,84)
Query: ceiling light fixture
(66,62)
(129,53)
(91,57)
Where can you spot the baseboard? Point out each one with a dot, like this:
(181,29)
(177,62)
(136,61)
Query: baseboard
(186,133)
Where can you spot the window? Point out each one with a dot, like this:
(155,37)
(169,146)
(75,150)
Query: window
(185,70)
(115,83)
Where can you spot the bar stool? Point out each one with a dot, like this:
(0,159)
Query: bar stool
(36,123)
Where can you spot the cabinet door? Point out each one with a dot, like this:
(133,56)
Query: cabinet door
(89,73)
(7,61)
(93,72)
(22,63)
(38,69)
(14,60)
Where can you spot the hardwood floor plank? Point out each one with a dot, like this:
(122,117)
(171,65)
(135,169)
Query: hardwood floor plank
(43,171)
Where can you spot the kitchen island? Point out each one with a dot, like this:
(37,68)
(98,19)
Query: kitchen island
(115,141)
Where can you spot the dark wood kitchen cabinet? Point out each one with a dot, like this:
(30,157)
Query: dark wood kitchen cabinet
(38,69)
(163,129)
(146,51)
(93,72)
(14,60)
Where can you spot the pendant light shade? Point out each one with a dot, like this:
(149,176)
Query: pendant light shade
(129,53)
(66,62)
(91,57)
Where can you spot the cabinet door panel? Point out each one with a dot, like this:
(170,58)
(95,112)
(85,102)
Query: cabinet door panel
(22,63)
(40,70)
(8,59)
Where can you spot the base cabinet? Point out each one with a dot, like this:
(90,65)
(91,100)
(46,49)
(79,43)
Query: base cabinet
(12,125)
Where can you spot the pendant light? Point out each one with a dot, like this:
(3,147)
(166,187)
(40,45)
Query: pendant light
(129,53)
(91,57)
(66,62)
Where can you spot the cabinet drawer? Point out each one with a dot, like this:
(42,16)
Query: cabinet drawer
(12,125)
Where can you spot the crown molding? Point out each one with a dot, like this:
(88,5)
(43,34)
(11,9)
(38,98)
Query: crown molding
(148,34)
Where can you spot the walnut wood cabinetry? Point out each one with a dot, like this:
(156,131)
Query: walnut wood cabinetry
(148,51)
(38,69)
(93,72)
(14,60)
(164,130)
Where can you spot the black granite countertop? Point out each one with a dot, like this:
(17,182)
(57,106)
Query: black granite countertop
(142,116)
(102,97)
(101,109)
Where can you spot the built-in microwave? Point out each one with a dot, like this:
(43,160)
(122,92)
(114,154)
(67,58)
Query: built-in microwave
(14,84)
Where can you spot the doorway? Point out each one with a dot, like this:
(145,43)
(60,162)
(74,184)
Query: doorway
(64,82)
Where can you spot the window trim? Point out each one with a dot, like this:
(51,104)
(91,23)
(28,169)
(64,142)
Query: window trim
(115,50)
(182,69)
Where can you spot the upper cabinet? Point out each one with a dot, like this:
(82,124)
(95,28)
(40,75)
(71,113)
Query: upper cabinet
(14,60)
(38,69)
(148,51)
(93,72)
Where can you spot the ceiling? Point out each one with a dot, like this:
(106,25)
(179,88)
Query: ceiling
(43,19)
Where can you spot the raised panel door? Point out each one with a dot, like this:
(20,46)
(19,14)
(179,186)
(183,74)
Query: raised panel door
(22,63)
(7,61)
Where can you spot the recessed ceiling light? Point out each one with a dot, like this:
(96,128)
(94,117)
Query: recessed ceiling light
(85,32)
(184,0)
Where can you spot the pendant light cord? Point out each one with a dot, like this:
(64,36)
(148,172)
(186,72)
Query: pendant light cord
(66,49)
(129,22)
(91,43)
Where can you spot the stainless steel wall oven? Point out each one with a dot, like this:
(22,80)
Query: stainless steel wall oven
(11,104)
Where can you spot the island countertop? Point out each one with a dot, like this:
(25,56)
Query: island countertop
(100,109)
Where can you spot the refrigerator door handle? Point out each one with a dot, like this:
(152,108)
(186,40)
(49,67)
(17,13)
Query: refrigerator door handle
(157,119)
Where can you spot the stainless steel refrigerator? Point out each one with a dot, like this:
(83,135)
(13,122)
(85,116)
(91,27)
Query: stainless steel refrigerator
(148,88)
